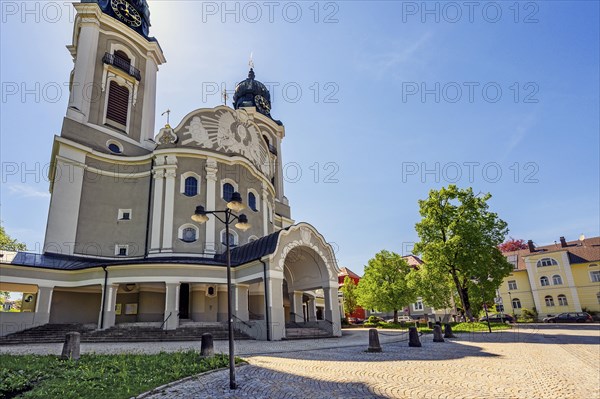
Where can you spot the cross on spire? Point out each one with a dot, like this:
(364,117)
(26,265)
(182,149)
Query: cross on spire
(168,112)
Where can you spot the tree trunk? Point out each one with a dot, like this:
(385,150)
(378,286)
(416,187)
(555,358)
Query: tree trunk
(395,315)
(464,297)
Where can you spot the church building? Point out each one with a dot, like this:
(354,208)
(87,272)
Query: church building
(121,247)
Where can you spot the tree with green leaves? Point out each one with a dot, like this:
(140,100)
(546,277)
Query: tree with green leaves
(349,296)
(9,244)
(384,285)
(459,240)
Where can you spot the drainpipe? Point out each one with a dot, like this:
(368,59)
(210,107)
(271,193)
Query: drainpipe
(103,298)
(266,300)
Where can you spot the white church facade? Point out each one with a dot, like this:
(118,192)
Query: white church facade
(121,247)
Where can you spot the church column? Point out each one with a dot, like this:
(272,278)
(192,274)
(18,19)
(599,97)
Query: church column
(312,309)
(110,300)
(275,308)
(83,72)
(171,306)
(149,107)
(42,306)
(211,193)
(298,315)
(332,310)
(170,173)
(265,210)
(157,201)
(240,302)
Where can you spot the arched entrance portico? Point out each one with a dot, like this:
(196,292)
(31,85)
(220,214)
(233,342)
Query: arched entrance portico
(307,265)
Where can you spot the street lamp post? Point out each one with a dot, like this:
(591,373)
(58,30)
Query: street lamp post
(475,280)
(201,216)
(511,304)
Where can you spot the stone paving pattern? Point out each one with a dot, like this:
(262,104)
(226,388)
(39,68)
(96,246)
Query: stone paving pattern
(534,361)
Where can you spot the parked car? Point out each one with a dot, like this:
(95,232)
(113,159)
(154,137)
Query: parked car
(401,319)
(499,318)
(571,317)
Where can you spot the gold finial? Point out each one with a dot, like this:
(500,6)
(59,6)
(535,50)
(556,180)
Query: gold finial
(168,112)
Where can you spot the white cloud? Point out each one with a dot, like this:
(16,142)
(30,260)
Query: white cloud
(25,191)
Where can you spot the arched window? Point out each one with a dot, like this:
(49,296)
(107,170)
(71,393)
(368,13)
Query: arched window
(123,57)
(544,281)
(556,280)
(118,103)
(562,300)
(546,262)
(516,303)
(191,186)
(252,201)
(228,191)
(233,239)
(549,300)
(189,234)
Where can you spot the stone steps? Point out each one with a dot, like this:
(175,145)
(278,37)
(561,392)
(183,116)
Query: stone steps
(53,333)
(293,333)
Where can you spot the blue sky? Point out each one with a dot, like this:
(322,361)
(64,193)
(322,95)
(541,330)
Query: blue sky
(499,97)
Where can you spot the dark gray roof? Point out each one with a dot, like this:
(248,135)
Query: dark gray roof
(253,250)
(65,262)
(243,254)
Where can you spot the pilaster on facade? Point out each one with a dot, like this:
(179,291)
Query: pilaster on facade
(533,283)
(571,281)
(170,168)
(211,169)
(157,201)
(265,209)
(297,307)
(43,305)
(171,315)
(149,105)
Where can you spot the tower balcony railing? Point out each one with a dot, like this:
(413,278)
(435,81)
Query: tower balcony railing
(122,64)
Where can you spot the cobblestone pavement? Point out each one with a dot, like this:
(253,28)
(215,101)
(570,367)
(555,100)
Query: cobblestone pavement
(534,361)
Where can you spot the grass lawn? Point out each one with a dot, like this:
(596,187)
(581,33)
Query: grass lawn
(98,376)
(456,327)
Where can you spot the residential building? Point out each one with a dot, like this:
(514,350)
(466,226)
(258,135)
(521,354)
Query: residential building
(552,279)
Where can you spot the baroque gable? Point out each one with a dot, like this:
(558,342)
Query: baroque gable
(224,130)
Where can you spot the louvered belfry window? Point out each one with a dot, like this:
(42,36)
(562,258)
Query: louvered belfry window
(118,103)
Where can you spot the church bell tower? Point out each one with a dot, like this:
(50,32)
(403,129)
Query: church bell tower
(113,82)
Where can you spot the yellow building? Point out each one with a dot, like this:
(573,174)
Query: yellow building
(557,278)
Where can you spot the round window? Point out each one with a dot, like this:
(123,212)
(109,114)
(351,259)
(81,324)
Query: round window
(114,148)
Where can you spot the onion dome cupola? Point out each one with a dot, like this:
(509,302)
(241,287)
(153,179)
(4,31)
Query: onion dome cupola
(133,13)
(252,93)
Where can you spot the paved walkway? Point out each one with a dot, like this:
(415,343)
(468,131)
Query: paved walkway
(535,361)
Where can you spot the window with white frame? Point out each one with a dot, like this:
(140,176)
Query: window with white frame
(549,300)
(188,233)
(418,305)
(252,201)
(233,238)
(598,297)
(544,282)
(546,262)
(556,280)
(190,186)
(595,276)
(121,250)
(228,187)
(512,259)
(124,214)
(512,285)
(562,300)
(516,303)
